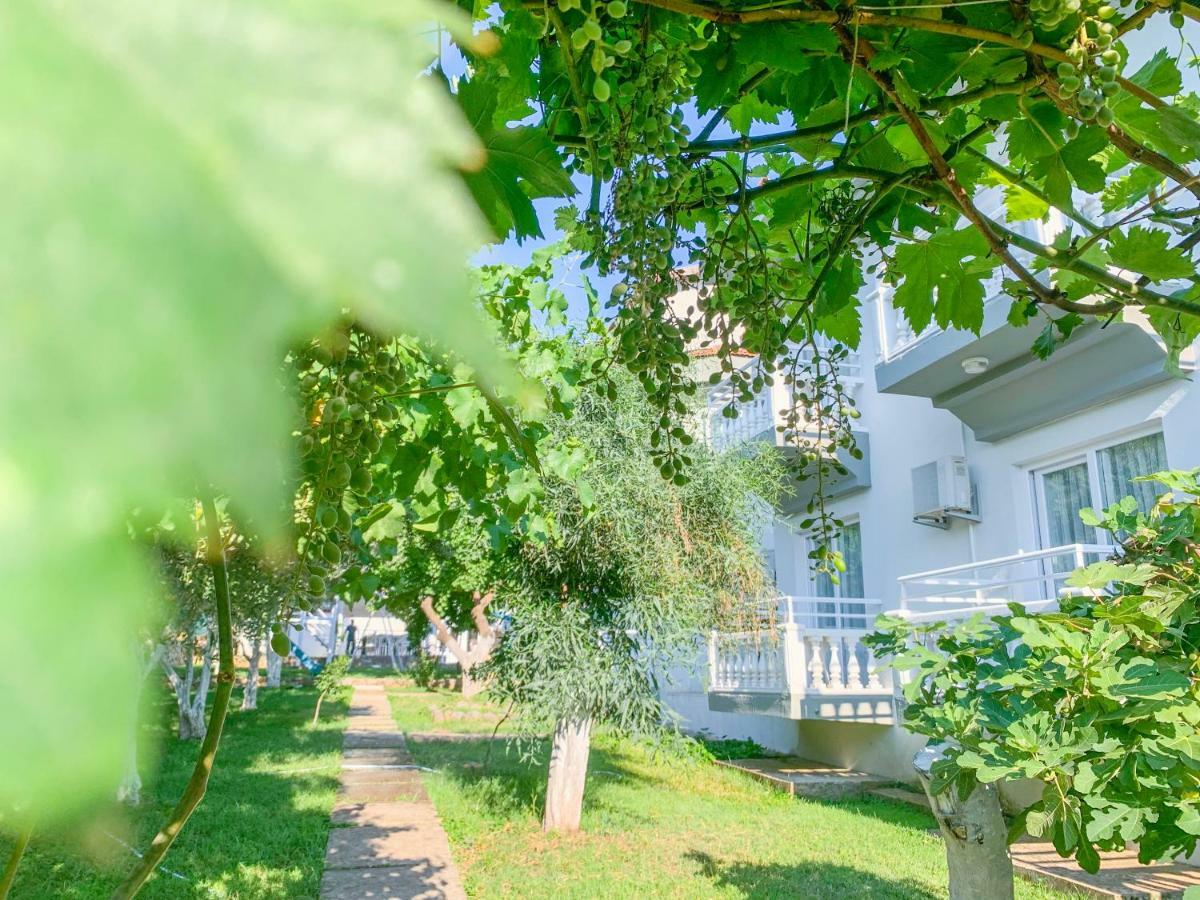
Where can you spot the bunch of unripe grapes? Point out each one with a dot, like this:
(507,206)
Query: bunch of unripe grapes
(344,382)
(1089,76)
(591,33)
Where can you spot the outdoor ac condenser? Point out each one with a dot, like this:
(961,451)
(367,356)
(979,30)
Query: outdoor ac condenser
(942,491)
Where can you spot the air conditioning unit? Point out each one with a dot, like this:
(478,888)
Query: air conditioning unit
(942,491)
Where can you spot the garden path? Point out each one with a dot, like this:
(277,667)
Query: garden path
(387,842)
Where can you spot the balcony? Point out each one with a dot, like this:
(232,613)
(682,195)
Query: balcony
(994,383)
(760,419)
(1036,580)
(813,665)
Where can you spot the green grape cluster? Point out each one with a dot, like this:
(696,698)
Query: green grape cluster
(345,380)
(1089,77)
(589,31)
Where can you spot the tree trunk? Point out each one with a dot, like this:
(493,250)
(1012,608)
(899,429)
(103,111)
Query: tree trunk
(974,833)
(274,667)
(479,646)
(250,692)
(129,791)
(568,774)
(481,649)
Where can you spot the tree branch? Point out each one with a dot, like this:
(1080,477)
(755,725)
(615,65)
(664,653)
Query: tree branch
(564,46)
(479,613)
(198,783)
(938,105)
(807,177)
(942,168)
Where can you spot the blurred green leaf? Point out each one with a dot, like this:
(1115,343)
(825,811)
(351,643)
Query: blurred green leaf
(189,188)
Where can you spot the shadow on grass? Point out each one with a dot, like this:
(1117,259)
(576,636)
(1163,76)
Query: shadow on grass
(512,781)
(770,881)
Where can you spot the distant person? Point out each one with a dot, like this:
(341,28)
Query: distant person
(351,634)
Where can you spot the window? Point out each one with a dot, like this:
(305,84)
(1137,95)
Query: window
(1096,478)
(850,584)
(1119,465)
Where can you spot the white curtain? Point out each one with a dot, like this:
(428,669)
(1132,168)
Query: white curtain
(1119,465)
(1066,492)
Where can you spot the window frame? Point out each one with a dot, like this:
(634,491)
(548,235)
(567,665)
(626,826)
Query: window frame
(1090,457)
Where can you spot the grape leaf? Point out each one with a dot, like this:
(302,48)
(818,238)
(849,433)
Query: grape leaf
(938,283)
(522,164)
(1147,252)
(189,188)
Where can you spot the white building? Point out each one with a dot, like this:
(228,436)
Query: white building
(1039,439)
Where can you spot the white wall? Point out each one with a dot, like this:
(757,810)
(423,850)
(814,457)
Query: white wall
(906,432)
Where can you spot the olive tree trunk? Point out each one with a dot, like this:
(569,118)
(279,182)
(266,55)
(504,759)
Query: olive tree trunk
(568,774)
(274,667)
(191,693)
(129,791)
(250,692)
(975,835)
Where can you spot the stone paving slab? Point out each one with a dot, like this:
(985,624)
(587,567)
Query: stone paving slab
(388,792)
(356,739)
(407,777)
(376,756)
(384,814)
(391,846)
(422,882)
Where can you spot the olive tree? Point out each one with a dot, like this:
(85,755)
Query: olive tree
(635,563)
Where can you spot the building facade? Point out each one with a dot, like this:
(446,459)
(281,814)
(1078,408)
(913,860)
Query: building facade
(977,458)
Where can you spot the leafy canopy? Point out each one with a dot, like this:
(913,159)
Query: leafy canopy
(1100,701)
(778,154)
(632,569)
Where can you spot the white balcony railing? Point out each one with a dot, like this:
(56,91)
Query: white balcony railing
(816,652)
(1035,579)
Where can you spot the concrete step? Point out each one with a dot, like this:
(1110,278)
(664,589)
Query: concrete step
(805,778)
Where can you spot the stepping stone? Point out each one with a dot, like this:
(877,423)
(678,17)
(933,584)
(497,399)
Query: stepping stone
(383,756)
(805,778)
(399,844)
(1121,876)
(406,777)
(372,723)
(365,739)
(384,815)
(381,792)
(418,882)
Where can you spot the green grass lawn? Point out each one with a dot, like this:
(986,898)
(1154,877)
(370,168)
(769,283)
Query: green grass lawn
(420,710)
(659,826)
(259,833)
